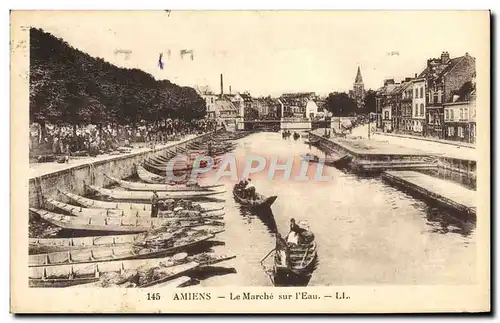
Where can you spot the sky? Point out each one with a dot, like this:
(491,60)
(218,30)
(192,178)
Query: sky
(270,52)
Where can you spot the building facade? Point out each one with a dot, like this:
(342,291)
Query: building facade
(418,104)
(209,97)
(447,81)
(438,103)
(294,105)
(406,125)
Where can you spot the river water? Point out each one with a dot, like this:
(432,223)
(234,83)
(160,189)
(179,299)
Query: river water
(367,231)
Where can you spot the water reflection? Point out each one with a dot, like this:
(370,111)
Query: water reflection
(264,214)
(443,222)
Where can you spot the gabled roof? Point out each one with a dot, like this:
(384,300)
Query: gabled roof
(246,97)
(225,105)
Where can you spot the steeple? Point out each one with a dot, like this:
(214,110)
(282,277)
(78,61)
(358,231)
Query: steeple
(359,78)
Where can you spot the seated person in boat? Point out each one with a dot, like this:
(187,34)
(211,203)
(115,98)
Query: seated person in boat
(241,187)
(154,205)
(295,237)
(250,190)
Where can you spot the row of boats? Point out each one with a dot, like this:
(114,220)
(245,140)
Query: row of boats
(111,239)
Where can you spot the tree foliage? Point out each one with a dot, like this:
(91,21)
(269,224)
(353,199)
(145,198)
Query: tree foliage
(370,101)
(67,86)
(340,104)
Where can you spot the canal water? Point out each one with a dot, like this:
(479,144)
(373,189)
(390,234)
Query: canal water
(367,231)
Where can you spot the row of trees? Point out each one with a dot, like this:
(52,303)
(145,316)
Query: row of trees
(340,104)
(70,87)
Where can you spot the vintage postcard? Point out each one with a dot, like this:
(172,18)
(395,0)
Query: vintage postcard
(250,161)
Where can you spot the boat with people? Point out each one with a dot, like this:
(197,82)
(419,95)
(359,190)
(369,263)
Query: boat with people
(118,224)
(146,195)
(296,135)
(258,200)
(295,255)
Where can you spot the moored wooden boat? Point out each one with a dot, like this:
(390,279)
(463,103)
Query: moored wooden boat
(260,201)
(133,186)
(75,274)
(146,195)
(117,252)
(94,212)
(91,203)
(299,258)
(117,224)
(45,245)
(203,259)
(149,177)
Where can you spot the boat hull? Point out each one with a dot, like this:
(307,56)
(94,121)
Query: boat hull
(261,202)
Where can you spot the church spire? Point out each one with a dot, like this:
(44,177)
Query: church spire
(359,78)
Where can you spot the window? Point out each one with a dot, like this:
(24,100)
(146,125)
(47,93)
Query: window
(461,114)
(466,114)
(386,115)
(446,114)
(451,115)
(416,93)
(450,131)
(421,109)
(416,109)
(212,100)
(421,92)
(460,132)
(440,95)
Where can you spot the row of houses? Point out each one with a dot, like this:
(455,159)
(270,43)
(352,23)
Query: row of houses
(440,102)
(233,109)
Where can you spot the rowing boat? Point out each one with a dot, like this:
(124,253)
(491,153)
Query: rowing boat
(117,224)
(94,212)
(152,178)
(120,252)
(75,274)
(90,203)
(45,245)
(299,257)
(133,186)
(260,201)
(205,260)
(161,167)
(146,196)
(149,177)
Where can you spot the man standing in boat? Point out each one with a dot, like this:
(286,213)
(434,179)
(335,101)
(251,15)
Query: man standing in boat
(154,205)
(296,233)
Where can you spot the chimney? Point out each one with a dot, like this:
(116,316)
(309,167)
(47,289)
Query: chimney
(229,89)
(445,57)
(415,75)
(221,85)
